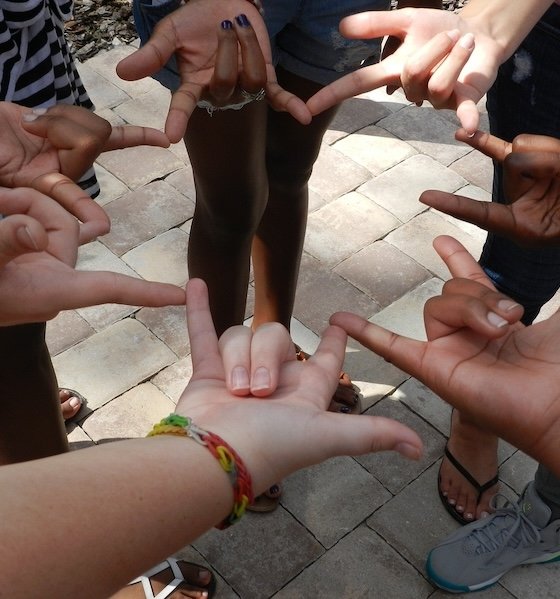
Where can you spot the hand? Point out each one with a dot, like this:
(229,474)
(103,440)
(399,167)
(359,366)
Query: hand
(190,33)
(49,150)
(38,249)
(531,184)
(480,358)
(290,429)
(438,60)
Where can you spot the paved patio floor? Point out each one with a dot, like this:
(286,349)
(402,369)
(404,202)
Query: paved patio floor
(350,528)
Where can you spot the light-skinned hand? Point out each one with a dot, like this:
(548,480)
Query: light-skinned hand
(290,428)
(38,249)
(439,60)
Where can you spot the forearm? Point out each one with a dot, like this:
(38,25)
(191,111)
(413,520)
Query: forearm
(136,502)
(506,21)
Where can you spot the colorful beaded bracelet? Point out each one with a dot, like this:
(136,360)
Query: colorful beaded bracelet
(228,458)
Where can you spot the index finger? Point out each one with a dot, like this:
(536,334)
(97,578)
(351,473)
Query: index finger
(458,260)
(488,144)
(206,358)
(357,82)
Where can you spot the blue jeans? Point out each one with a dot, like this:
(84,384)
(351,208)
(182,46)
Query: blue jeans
(526,99)
(304,37)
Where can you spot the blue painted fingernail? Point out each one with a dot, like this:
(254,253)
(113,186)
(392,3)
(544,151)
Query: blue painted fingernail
(227,24)
(242,21)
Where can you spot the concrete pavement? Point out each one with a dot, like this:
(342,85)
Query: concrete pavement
(348,528)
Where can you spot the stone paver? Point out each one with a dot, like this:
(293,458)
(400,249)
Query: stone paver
(352,527)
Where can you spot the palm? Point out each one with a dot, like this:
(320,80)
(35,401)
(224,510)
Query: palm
(23,156)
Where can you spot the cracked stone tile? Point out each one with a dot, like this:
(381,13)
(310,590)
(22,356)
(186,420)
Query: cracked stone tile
(143,214)
(140,165)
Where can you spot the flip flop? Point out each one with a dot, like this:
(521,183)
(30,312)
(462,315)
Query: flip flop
(79,397)
(351,404)
(268,501)
(178,583)
(480,489)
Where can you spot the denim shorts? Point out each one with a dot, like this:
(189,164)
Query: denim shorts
(304,36)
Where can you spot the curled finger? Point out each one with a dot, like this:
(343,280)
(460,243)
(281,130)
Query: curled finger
(253,76)
(271,347)
(235,349)
(419,67)
(224,79)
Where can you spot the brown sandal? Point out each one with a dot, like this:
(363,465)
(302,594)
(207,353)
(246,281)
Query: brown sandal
(346,398)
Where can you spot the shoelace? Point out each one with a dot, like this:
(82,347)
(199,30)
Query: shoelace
(495,538)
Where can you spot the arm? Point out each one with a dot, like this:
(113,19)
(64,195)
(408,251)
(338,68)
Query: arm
(159,494)
(480,358)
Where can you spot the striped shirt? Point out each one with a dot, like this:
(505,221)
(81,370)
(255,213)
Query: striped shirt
(37,68)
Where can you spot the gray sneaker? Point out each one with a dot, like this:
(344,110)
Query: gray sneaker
(479,554)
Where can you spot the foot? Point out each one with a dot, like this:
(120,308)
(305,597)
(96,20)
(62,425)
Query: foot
(267,501)
(478,555)
(345,399)
(477,451)
(188,580)
(70,403)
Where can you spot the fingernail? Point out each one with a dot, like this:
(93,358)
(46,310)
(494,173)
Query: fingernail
(74,402)
(454,34)
(484,514)
(239,378)
(227,24)
(261,379)
(242,20)
(34,114)
(451,501)
(408,451)
(460,508)
(468,516)
(496,320)
(467,41)
(344,410)
(26,238)
(507,305)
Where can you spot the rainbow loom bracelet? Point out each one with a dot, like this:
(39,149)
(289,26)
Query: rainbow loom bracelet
(227,457)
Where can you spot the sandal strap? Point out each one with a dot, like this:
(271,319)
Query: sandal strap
(144,579)
(480,489)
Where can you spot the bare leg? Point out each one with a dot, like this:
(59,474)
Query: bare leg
(476,450)
(228,159)
(292,150)
(31,424)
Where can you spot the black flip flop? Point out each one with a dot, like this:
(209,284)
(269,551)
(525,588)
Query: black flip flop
(480,489)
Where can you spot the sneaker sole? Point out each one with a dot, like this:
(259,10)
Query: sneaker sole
(456,588)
